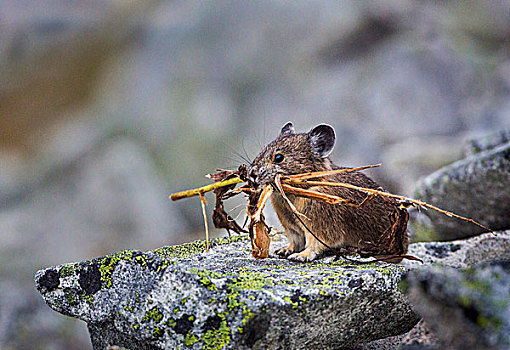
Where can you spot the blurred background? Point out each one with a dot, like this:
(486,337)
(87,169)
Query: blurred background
(108,106)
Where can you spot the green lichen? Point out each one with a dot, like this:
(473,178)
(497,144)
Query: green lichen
(216,339)
(170,323)
(66,270)
(136,326)
(70,296)
(153,314)
(483,287)
(205,277)
(186,250)
(233,300)
(190,339)
(286,282)
(247,315)
(158,332)
(129,308)
(493,323)
(108,264)
(463,300)
(289,300)
(403,286)
(231,239)
(250,280)
(88,298)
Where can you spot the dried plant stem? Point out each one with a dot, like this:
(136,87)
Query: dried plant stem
(259,232)
(311,175)
(201,190)
(279,186)
(384,194)
(323,197)
(203,201)
(265,195)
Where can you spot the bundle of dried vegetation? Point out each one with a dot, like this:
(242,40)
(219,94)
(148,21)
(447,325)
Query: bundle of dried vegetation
(389,247)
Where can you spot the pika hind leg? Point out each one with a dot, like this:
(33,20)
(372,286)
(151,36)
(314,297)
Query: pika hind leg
(296,243)
(313,249)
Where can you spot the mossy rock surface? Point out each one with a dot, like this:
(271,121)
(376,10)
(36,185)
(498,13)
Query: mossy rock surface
(183,297)
(467,308)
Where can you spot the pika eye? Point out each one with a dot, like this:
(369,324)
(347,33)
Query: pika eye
(278,158)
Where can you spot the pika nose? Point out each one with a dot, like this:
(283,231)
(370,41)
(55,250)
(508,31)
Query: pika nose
(252,174)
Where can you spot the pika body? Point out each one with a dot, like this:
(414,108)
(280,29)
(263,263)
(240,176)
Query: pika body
(331,226)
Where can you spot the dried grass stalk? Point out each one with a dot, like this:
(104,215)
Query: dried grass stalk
(371,191)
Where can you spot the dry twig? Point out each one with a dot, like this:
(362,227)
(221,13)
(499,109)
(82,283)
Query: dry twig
(371,191)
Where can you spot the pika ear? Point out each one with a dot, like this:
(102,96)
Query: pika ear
(322,138)
(287,129)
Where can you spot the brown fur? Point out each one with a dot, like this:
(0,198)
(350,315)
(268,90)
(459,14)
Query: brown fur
(336,225)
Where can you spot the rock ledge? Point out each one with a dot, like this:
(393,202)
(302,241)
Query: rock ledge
(183,297)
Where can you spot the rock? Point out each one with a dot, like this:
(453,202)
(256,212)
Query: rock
(485,143)
(456,254)
(475,187)
(420,337)
(180,295)
(467,309)
(420,226)
(461,253)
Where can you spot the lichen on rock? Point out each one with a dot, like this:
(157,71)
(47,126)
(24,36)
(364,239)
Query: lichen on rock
(184,297)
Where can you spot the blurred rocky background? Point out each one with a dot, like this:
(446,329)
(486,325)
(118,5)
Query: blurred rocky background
(108,106)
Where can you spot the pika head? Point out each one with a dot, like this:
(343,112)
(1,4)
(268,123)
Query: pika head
(293,153)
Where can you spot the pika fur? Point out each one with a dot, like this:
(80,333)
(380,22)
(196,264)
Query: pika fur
(336,225)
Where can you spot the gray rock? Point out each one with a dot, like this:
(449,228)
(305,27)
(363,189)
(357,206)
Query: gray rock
(456,254)
(477,145)
(420,337)
(461,253)
(475,187)
(466,309)
(177,296)
(420,227)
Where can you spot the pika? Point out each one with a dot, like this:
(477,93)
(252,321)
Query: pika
(336,225)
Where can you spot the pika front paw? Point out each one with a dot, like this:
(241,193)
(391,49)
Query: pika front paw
(284,252)
(304,256)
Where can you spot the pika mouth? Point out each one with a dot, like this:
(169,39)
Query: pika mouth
(260,176)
